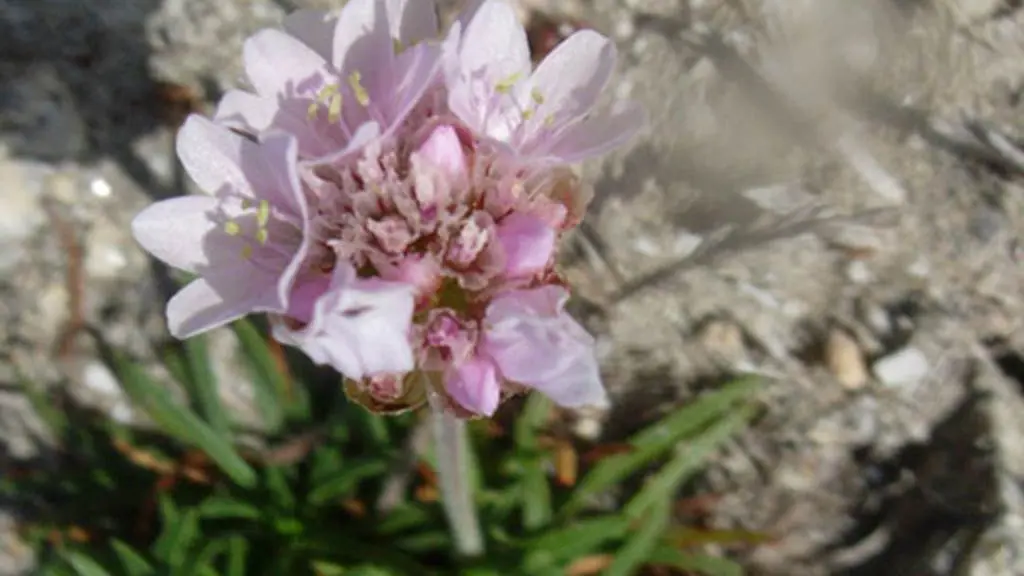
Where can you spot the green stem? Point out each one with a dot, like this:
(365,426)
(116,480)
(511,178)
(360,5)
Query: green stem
(452,450)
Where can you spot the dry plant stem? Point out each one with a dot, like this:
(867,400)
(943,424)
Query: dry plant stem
(452,450)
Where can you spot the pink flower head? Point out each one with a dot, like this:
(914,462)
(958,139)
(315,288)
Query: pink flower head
(246,239)
(399,228)
(338,83)
(544,114)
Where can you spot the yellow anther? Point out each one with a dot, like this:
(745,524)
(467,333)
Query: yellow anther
(537,96)
(312,110)
(231,228)
(334,111)
(549,120)
(247,251)
(505,86)
(396,44)
(262,235)
(528,113)
(263,213)
(246,203)
(355,83)
(326,92)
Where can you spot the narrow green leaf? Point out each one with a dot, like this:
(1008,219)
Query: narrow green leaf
(534,416)
(169,513)
(656,439)
(641,543)
(536,491)
(699,563)
(177,537)
(203,389)
(84,565)
(270,387)
(238,552)
(199,563)
(276,480)
(175,363)
(343,483)
(537,511)
(690,458)
(223,507)
(422,542)
(403,518)
(579,539)
(181,423)
(321,568)
(132,563)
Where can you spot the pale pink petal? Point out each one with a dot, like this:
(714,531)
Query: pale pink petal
(546,301)
(279,64)
(474,385)
(211,155)
(246,111)
(422,272)
(491,51)
(443,150)
(173,230)
(412,21)
(200,307)
(414,72)
(304,295)
(569,80)
(362,38)
(548,352)
(595,136)
(359,327)
(253,114)
(495,41)
(315,28)
(468,12)
(272,169)
(363,135)
(528,244)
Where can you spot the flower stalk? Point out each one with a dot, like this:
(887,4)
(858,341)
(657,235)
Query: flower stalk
(452,451)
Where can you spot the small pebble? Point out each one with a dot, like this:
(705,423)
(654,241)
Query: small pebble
(723,339)
(907,366)
(857,272)
(99,379)
(845,360)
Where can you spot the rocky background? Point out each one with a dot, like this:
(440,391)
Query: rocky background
(829,196)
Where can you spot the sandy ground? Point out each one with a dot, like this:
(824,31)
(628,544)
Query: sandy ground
(829,195)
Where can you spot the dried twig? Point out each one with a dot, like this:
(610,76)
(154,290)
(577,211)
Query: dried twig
(74,279)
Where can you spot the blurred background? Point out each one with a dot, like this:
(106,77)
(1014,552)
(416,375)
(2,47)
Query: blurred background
(829,197)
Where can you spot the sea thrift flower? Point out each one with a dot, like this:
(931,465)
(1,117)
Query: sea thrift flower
(413,210)
(545,113)
(337,83)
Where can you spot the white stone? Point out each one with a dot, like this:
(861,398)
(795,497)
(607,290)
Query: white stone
(857,272)
(99,379)
(100,188)
(907,366)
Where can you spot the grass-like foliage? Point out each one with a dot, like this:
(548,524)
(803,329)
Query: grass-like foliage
(328,489)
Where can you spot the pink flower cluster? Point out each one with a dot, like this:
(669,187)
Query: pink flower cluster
(393,199)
